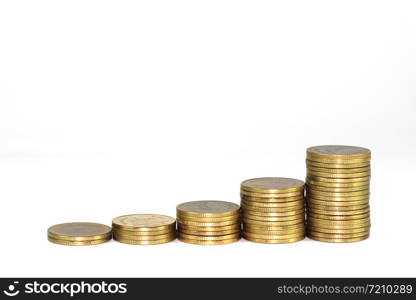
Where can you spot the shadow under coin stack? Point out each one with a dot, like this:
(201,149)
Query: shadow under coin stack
(79,234)
(144,229)
(209,222)
(338,182)
(273,210)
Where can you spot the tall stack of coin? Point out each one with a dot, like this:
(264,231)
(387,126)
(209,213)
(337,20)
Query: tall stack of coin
(209,222)
(144,229)
(79,234)
(338,182)
(273,210)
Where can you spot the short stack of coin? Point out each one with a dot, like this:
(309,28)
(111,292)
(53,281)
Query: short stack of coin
(209,222)
(144,229)
(79,234)
(338,192)
(273,210)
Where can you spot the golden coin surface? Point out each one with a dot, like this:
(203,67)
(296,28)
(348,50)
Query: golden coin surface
(77,243)
(337,185)
(335,240)
(338,170)
(272,185)
(337,213)
(209,238)
(311,173)
(338,227)
(312,202)
(210,233)
(281,210)
(264,229)
(245,203)
(79,231)
(144,237)
(339,218)
(311,163)
(207,208)
(342,152)
(144,233)
(339,189)
(320,222)
(209,243)
(144,222)
(279,241)
(274,236)
(276,232)
(340,231)
(274,219)
(338,199)
(192,223)
(274,214)
(277,200)
(318,179)
(209,228)
(274,196)
(338,195)
(147,242)
(312,206)
(337,236)
(235,218)
(274,223)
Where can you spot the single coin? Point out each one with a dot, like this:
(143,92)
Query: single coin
(276,232)
(273,185)
(77,243)
(337,213)
(274,200)
(210,233)
(337,236)
(234,218)
(337,185)
(273,196)
(338,170)
(144,237)
(147,242)
(339,189)
(207,208)
(338,199)
(312,206)
(144,222)
(338,227)
(207,224)
(335,240)
(274,214)
(209,228)
(80,231)
(337,175)
(276,223)
(311,163)
(274,219)
(245,203)
(339,218)
(312,202)
(340,231)
(281,210)
(209,238)
(263,229)
(321,222)
(144,233)
(341,152)
(337,180)
(209,243)
(273,237)
(279,241)
(338,195)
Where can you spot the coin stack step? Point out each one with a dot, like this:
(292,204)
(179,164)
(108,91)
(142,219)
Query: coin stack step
(273,210)
(209,222)
(338,193)
(144,229)
(79,234)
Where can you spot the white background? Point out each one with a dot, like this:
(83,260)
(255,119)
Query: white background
(117,107)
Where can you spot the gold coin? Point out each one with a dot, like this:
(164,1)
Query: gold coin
(297,203)
(77,243)
(338,213)
(144,222)
(207,209)
(301,230)
(312,202)
(279,241)
(340,231)
(321,222)
(143,237)
(337,195)
(278,200)
(338,199)
(337,180)
(338,170)
(144,233)
(337,185)
(256,228)
(80,231)
(274,214)
(209,238)
(275,223)
(274,219)
(209,243)
(311,163)
(148,242)
(234,218)
(337,236)
(209,228)
(274,236)
(338,152)
(339,189)
(274,185)
(339,218)
(335,240)
(311,173)
(312,206)
(270,195)
(281,210)
(338,227)
(207,224)
(210,233)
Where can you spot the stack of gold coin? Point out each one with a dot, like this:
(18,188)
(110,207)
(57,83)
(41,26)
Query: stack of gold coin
(144,229)
(273,210)
(338,182)
(79,234)
(209,222)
